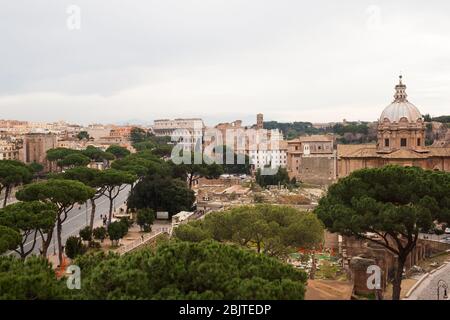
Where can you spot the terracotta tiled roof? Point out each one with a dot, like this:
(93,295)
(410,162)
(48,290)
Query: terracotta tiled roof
(370,151)
(405,154)
(316,138)
(356,150)
(439,152)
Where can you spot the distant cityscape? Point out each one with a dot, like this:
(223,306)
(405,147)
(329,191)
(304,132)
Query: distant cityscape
(312,152)
(137,193)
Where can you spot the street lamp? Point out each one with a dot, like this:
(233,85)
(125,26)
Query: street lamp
(442,284)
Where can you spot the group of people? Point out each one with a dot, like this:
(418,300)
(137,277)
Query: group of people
(104,219)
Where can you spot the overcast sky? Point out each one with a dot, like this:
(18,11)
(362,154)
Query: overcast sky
(220,59)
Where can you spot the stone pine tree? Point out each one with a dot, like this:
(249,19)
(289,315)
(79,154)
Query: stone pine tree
(118,151)
(58,155)
(13,173)
(91,178)
(64,194)
(9,239)
(115,181)
(161,193)
(194,167)
(29,219)
(394,203)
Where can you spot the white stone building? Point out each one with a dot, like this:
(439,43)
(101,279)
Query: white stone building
(274,155)
(185,132)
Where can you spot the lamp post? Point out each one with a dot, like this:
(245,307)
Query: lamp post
(442,284)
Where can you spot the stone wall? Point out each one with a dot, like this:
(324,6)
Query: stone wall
(316,169)
(385,259)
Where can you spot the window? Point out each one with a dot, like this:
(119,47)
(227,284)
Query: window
(418,141)
(403,142)
(386,142)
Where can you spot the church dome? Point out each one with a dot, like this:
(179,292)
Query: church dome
(401,107)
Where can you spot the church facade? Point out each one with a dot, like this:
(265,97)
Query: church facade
(401,141)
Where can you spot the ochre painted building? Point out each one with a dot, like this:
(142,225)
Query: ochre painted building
(401,141)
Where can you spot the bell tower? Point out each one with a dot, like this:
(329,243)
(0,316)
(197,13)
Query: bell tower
(259,121)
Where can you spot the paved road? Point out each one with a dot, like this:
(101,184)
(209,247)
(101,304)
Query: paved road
(433,237)
(427,290)
(78,218)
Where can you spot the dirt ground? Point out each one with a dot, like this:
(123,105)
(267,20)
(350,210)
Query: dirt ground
(406,285)
(328,290)
(433,263)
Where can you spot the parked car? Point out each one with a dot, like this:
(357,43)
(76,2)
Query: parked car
(447,231)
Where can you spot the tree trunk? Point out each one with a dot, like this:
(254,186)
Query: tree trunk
(191,178)
(312,273)
(7,191)
(58,235)
(46,242)
(93,206)
(110,207)
(396,284)
(22,252)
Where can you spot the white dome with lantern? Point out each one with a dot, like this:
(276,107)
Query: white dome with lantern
(401,108)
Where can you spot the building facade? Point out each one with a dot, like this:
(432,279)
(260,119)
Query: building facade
(274,155)
(312,159)
(401,141)
(8,150)
(35,147)
(187,133)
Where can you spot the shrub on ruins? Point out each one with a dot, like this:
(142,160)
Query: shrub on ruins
(269,229)
(278,177)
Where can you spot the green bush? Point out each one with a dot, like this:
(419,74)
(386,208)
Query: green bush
(99,233)
(86,234)
(74,247)
(116,231)
(94,245)
(145,218)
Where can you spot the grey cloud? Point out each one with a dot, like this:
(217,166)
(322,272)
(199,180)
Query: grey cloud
(294,60)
